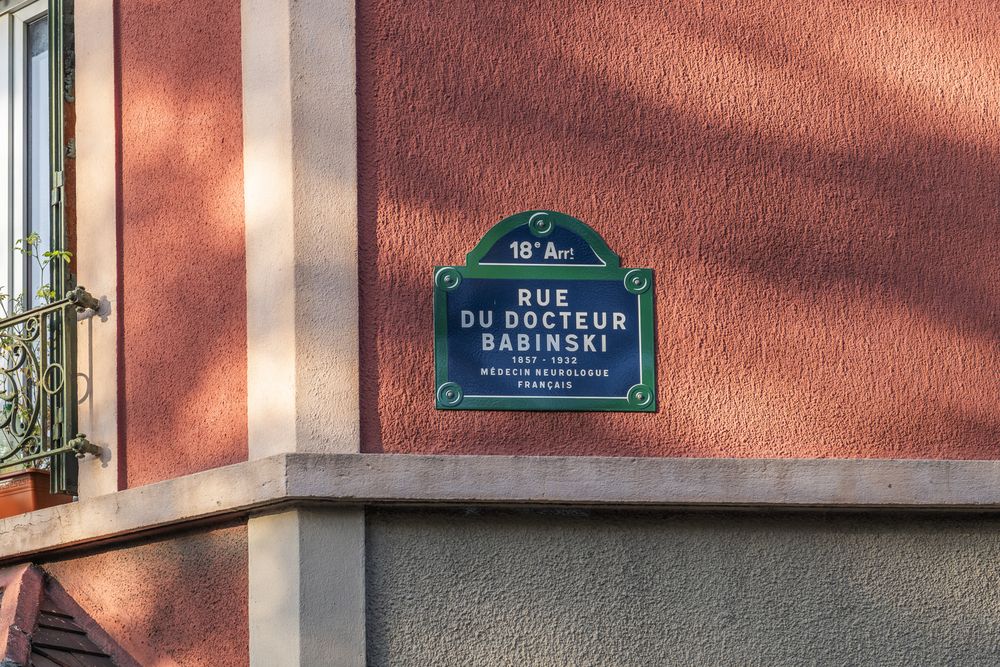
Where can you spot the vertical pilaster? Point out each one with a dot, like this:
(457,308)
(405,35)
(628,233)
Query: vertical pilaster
(96,239)
(300,175)
(325,156)
(269,212)
(300,161)
(307,597)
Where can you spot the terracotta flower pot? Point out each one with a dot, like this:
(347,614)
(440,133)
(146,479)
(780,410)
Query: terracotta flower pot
(27,490)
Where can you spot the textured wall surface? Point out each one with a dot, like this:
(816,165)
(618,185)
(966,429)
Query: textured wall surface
(655,589)
(182,287)
(181,601)
(814,185)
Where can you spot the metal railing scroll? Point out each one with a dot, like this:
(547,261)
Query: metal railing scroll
(38,390)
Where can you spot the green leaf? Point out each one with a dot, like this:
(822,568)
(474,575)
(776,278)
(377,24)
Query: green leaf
(64,255)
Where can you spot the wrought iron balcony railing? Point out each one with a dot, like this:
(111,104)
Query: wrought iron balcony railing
(38,390)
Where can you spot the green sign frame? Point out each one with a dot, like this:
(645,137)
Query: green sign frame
(641,397)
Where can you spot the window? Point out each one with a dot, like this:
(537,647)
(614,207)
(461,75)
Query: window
(38,393)
(24,175)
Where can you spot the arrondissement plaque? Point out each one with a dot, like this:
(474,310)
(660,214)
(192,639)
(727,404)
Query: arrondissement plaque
(543,317)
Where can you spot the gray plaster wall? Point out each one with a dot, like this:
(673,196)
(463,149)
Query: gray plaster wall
(526,588)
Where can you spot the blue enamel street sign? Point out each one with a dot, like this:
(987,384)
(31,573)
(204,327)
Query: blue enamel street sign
(542,317)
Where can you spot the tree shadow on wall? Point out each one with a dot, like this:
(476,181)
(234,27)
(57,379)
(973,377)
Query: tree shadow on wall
(723,149)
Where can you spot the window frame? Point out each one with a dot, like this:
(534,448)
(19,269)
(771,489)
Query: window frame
(14,144)
(43,334)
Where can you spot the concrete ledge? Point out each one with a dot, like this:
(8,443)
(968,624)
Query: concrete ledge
(278,481)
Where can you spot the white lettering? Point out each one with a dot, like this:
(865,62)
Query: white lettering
(542,297)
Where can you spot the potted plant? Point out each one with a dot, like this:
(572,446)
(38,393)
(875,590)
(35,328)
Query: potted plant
(27,490)
(24,487)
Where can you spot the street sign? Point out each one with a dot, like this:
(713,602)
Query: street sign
(543,317)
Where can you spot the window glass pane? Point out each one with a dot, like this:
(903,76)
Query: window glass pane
(37,147)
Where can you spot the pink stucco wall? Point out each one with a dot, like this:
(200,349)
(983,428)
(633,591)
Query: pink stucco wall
(814,183)
(182,286)
(179,601)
